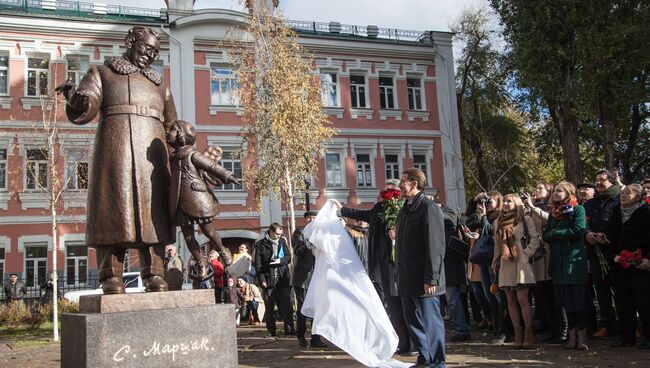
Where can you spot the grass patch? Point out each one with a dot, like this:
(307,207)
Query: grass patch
(32,342)
(44,330)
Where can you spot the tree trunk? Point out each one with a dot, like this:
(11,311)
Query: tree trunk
(292,213)
(567,125)
(607,129)
(55,274)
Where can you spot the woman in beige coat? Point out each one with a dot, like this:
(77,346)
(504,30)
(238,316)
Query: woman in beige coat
(512,249)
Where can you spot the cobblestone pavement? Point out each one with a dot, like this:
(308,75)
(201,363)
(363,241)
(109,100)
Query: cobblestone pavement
(257,351)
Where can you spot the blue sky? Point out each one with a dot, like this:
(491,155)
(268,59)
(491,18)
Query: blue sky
(417,15)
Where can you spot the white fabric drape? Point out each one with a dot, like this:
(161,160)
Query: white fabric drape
(341,298)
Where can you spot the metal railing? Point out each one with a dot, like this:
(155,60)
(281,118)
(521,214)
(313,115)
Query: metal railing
(355,30)
(65,284)
(85,9)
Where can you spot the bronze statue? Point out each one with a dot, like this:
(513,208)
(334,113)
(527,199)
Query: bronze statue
(128,189)
(191,199)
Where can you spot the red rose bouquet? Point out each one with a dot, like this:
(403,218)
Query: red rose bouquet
(392,204)
(629,259)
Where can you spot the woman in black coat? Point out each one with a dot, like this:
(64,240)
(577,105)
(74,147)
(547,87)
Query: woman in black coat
(629,229)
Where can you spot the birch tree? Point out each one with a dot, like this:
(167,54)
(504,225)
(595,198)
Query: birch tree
(285,127)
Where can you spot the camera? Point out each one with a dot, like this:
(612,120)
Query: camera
(523,196)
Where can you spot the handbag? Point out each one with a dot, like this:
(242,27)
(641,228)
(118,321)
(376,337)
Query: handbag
(540,252)
(456,246)
(483,250)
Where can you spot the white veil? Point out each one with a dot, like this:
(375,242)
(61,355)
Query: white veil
(341,298)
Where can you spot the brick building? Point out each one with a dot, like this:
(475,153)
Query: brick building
(390,93)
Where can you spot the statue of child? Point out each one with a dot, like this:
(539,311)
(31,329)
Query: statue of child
(191,199)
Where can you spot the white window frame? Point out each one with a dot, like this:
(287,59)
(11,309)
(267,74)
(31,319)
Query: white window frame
(331,87)
(78,74)
(427,164)
(229,164)
(5,246)
(392,166)
(45,162)
(68,168)
(410,91)
(38,72)
(232,82)
(36,261)
(76,259)
(341,163)
(365,88)
(384,95)
(365,167)
(4,165)
(5,69)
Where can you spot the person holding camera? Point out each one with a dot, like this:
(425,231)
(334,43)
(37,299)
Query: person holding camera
(553,319)
(272,258)
(482,212)
(515,241)
(565,234)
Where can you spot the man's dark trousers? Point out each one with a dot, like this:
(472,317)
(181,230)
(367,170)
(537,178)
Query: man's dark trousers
(427,329)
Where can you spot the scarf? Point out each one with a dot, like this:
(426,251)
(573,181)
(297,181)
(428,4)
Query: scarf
(611,192)
(556,209)
(506,235)
(274,244)
(626,212)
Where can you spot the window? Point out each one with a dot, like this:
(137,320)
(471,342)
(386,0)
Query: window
(364,172)
(333,170)
(329,85)
(77,67)
(392,167)
(36,173)
(358,91)
(76,169)
(2,265)
(76,264)
(37,76)
(223,87)
(386,93)
(4,73)
(3,168)
(414,92)
(35,264)
(230,162)
(420,162)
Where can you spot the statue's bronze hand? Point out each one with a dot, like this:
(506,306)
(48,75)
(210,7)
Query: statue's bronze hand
(67,89)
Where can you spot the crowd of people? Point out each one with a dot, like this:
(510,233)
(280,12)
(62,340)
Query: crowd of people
(579,254)
(559,265)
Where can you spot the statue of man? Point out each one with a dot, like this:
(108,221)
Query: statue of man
(129,178)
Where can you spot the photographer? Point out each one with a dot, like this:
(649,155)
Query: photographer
(552,318)
(482,212)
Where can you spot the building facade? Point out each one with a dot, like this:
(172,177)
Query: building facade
(390,94)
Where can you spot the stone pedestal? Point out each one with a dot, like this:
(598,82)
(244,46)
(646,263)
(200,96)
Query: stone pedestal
(169,329)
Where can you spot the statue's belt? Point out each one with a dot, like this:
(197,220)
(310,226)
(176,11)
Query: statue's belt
(134,110)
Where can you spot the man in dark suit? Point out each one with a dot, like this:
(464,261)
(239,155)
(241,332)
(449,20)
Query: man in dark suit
(272,259)
(303,266)
(420,253)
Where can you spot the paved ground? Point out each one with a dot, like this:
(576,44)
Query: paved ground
(257,351)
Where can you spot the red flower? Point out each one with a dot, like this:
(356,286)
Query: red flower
(390,194)
(647,200)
